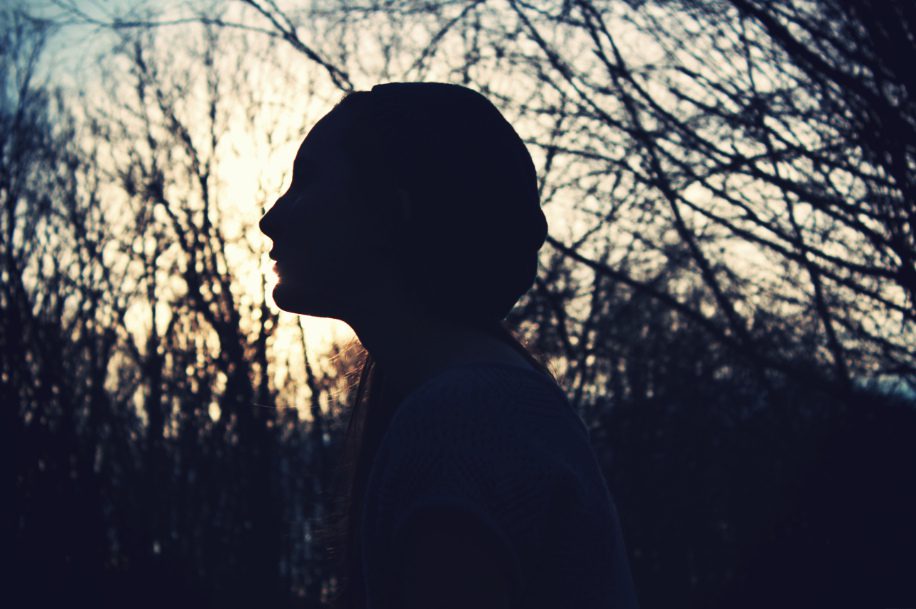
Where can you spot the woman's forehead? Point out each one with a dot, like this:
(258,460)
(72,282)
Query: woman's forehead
(322,140)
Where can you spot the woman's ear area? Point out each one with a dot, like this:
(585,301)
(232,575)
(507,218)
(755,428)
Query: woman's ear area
(395,216)
(392,238)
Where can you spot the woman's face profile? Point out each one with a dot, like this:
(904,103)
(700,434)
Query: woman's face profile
(321,241)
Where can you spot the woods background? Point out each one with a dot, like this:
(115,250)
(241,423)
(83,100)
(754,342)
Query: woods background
(727,290)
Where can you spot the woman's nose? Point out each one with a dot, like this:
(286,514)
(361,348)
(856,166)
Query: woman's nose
(262,224)
(267,222)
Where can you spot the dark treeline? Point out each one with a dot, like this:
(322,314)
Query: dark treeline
(730,309)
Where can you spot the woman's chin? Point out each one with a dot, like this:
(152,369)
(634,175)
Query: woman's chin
(288,297)
(296,298)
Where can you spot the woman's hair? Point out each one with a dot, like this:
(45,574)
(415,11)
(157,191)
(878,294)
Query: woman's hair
(467,252)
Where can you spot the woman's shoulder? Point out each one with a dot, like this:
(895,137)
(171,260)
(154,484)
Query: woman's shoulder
(488,408)
(487,390)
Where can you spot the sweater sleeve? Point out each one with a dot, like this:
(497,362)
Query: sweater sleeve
(468,449)
(458,537)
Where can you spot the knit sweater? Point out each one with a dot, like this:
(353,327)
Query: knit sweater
(501,442)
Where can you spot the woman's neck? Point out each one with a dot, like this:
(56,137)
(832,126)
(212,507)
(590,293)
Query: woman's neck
(413,349)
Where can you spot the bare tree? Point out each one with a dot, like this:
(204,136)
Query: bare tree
(728,183)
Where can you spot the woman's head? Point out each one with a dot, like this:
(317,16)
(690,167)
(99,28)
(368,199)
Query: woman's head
(422,184)
(411,195)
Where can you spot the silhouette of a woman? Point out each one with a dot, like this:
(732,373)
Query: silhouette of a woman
(413,215)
